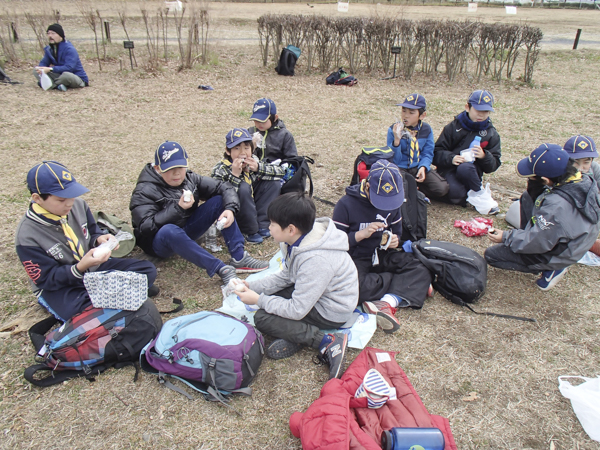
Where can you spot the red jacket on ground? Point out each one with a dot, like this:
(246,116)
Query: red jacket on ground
(337,420)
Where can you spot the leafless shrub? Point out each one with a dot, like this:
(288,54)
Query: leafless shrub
(152,36)
(38,24)
(8,24)
(122,13)
(433,45)
(91,18)
(532,37)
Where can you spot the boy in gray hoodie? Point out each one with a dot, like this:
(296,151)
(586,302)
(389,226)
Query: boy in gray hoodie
(317,289)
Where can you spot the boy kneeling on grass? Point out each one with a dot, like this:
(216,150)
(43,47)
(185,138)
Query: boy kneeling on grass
(317,289)
(560,214)
(56,238)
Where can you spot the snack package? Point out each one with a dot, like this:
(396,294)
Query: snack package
(478,226)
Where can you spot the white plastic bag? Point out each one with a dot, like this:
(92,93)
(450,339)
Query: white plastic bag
(482,200)
(585,399)
(45,81)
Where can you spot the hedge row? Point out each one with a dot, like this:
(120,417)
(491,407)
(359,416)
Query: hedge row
(364,44)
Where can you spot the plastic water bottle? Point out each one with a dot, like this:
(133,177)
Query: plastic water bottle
(468,153)
(211,239)
(476,141)
(412,438)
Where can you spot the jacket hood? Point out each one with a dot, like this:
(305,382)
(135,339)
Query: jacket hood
(279,124)
(355,192)
(323,236)
(583,196)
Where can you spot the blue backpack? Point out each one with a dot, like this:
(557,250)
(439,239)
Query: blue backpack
(213,353)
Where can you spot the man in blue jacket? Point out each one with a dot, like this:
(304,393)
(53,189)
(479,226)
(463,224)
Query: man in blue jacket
(61,62)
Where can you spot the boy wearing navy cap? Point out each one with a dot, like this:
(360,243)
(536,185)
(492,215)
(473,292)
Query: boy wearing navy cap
(560,214)
(257,183)
(167,216)
(412,142)
(389,276)
(55,241)
(277,142)
(463,176)
(582,150)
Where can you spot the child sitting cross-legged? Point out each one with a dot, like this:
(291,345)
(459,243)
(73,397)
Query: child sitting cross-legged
(257,183)
(316,290)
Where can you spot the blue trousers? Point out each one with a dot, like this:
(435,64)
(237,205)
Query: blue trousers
(460,181)
(172,239)
(253,208)
(66,302)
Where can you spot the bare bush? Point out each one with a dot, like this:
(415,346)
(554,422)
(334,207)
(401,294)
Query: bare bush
(91,18)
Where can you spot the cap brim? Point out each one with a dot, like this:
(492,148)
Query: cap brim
(172,165)
(259,117)
(482,107)
(72,191)
(386,203)
(409,106)
(524,168)
(580,155)
(238,141)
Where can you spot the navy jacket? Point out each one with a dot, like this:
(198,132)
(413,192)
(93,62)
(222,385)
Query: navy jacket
(354,211)
(67,60)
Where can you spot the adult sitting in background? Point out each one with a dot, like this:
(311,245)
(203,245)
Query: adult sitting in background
(61,62)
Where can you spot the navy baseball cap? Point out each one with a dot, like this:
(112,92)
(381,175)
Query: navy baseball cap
(481,100)
(386,189)
(548,160)
(169,155)
(581,147)
(51,177)
(237,136)
(414,101)
(263,109)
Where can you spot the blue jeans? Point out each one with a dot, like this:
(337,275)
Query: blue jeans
(460,181)
(172,239)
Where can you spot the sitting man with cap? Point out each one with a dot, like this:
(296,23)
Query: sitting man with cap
(56,239)
(389,275)
(168,216)
(61,62)
(560,214)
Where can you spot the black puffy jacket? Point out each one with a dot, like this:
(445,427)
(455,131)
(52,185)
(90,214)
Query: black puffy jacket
(455,138)
(154,203)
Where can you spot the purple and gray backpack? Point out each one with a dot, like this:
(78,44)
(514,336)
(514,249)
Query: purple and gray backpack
(211,352)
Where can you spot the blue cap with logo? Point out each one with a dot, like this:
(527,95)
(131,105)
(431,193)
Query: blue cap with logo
(386,189)
(414,101)
(237,136)
(169,155)
(263,109)
(482,100)
(581,147)
(548,160)
(51,177)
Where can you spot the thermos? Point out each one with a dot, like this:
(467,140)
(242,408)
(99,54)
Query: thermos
(412,439)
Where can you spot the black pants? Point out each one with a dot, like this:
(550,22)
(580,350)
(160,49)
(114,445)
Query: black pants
(460,181)
(398,273)
(434,185)
(306,331)
(254,202)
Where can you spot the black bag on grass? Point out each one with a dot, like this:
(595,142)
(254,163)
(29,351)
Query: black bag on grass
(287,61)
(460,274)
(341,78)
(297,174)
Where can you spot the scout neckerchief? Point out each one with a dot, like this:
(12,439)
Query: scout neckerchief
(413,146)
(245,176)
(72,239)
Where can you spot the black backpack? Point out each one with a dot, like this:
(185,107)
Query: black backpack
(287,61)
(298,173)
(341,78)
(370,155)
(460,274)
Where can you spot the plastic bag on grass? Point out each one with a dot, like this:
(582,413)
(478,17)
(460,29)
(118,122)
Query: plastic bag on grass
(482,200)
(585,400)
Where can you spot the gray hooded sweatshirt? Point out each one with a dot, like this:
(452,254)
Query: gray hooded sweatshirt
(322,272)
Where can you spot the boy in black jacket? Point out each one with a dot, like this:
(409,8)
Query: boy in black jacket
(277,141)
(167,215)
(461,175)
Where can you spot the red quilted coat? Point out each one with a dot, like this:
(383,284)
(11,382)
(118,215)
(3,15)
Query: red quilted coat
(338,421)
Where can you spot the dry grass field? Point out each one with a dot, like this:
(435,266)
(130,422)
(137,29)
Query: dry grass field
(107,132)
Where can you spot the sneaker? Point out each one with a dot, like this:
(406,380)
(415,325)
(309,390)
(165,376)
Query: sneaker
(333,352)
(280,349)
(227,273)
(264,232)
(61,87)
(255,238)
(153,291)
(386,318)
(550,278)
(492,212)
(248,264)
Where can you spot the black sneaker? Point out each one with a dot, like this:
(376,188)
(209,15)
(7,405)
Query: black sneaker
(227,273)
(333,352)
(248,264)
(153,291)
(280,349)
